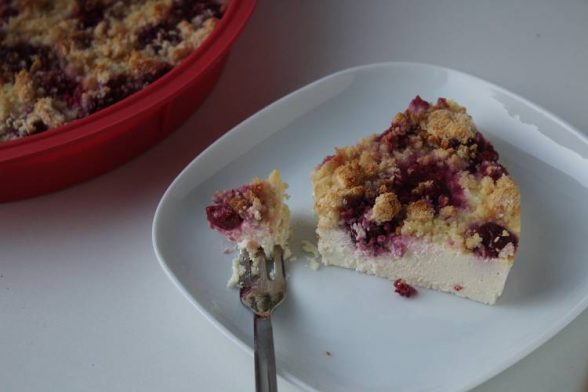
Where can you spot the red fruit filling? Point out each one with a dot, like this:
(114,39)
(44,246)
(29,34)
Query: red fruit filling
(367,235)
(89,12)
(55,83)
(122,86)
(484,161)
(7,11)
(434,183)
(494,238)
(21,55)
(166,30)
(222,216)
(418,105)
(493,170)
(404,289)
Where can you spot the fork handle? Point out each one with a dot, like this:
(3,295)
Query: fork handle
(265,360)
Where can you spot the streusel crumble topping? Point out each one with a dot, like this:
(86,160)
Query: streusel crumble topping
(65,59)
(431,175)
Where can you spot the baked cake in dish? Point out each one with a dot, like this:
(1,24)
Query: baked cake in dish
(253,216)
(426,202)
(62,60)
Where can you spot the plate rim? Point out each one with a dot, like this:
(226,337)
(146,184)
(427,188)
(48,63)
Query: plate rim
(539,340)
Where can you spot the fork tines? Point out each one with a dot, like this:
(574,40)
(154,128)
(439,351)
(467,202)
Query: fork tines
(263,282)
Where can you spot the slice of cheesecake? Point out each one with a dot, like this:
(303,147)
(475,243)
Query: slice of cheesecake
(426,202)
(252,216)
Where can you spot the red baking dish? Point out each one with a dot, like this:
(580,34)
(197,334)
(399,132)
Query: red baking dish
(90,146)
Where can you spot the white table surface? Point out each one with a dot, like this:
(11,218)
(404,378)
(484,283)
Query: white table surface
(84,304)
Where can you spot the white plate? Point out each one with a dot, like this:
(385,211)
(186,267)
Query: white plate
(379,341)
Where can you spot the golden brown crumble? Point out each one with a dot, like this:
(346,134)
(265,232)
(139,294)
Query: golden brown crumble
(386,207)
(432,174)
(447,124)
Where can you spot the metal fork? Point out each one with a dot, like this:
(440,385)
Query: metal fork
(263,288)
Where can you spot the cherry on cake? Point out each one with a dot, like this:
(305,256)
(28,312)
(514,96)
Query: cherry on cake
(426,203)
(252,216)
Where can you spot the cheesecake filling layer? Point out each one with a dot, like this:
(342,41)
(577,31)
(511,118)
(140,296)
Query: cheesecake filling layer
(422,264)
